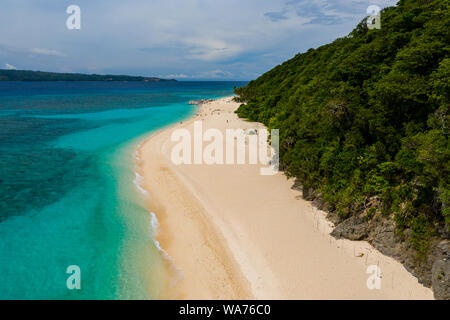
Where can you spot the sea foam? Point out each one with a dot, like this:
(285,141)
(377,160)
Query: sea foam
(139,182)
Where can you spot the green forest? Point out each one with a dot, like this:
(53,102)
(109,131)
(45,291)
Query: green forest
(364,121)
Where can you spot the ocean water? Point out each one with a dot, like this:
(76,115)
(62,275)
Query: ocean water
(68,192)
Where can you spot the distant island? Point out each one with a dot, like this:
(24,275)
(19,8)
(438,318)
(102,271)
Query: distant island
(27,75)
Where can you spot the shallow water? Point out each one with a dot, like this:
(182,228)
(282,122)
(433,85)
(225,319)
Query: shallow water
(66,185)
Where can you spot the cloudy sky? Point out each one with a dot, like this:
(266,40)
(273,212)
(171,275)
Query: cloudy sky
(183,39)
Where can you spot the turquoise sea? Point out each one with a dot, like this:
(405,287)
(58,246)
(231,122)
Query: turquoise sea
(67,192)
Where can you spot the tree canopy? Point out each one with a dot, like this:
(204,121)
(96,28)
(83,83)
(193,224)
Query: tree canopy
(368,116)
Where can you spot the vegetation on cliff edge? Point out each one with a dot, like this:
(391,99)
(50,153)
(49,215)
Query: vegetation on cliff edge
(365,120)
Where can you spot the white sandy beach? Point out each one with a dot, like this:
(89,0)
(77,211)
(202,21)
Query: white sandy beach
(232,233)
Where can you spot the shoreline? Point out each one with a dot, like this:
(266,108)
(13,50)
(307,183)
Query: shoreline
(225,243)
(235,287)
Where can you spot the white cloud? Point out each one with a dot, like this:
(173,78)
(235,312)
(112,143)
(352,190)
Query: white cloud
(175,76)
(184,38)
(215,74)
(10,67)
(210,74)
(47,52)
(211,49)
(33,51)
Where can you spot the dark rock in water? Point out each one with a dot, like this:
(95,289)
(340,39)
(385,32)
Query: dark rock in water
(440,271)
(354,228)
(201,101)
